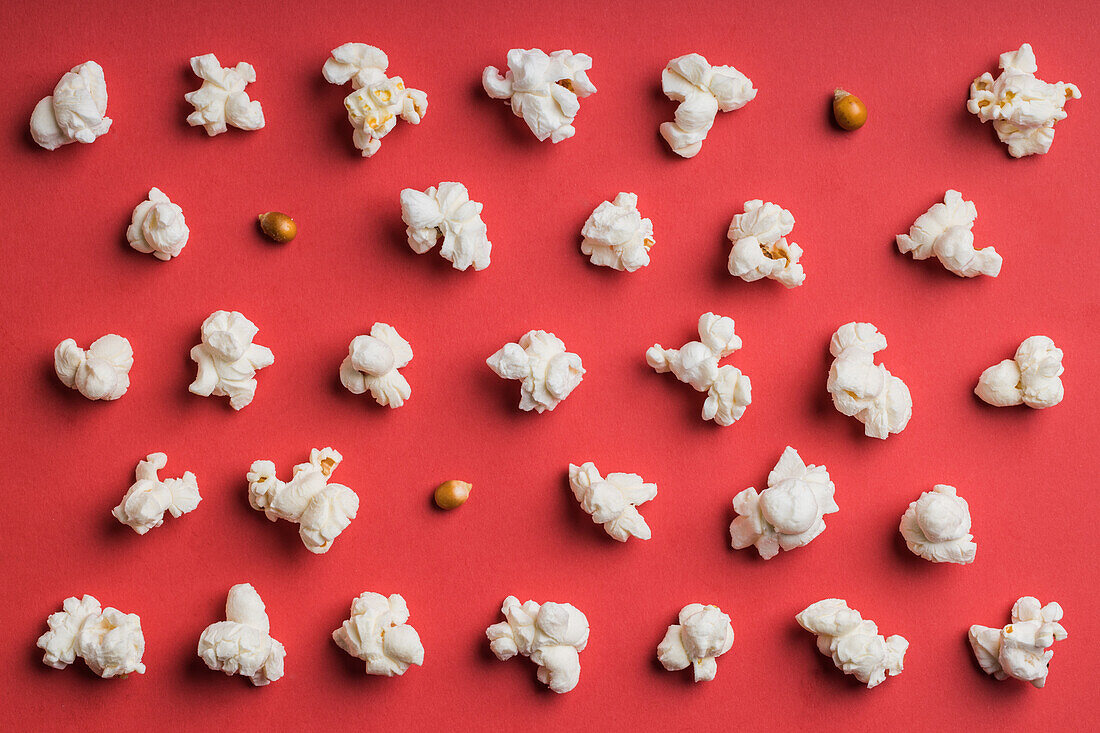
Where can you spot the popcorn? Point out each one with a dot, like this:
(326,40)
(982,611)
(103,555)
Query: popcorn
(145,503)
(865,390)
(703,634)
(1023,109)
(729,392)
(376,101)
(109,641)
(228,360)
(552,635)
(446,211)
(158,227)
(853,642)
(702,91)
(617,236)
(372,363)
(613,501)
(787,514)
(1031,377)
(322,510)
(75,113)
(944,232)
(937,527)
(222,100)
(760,247)
(1021,649)
(100,373)
(378,634)
(242,644)
(543,90)
(547,372)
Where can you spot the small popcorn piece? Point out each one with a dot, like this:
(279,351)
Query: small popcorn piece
(944,232)
(853,642)
(865,390)
(242,644)
(702,91)
(378,633)
(552,635)
(937,527)
(1022,649)
(221,101)
(1031,377)
(617,236)
(760,246)
(158,227)
(372,365)
(110,642)
(447,212)
(228,359)
(145,503)
(76,112)
(703,634)
(100,373)
(612,501)
(546,371)
(543,89)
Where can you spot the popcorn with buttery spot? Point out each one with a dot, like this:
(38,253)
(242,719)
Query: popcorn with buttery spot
(863,389)
(1022,649)
(937,527)
(446,211)
(242,644)
(378,633)
(703,634)
(102,372)
(75,112)
(1031,377)
(228,359)
(145,503)
(158,227)
(222,99)
(853,642)
(543,90)
(552,635)
(760,246)
(109,641)
(546,371)
(944,232)
(612,501)
(617,236)
(702,91)
(372,365)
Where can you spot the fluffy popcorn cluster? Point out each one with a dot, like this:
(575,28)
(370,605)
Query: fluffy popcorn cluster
(100,373)
(145,503)
(378,633)
(760,246)
(76,112)
(937,527)
(446,211)
(612,501)
(372,363)
(853,642)
(242,644)
(1030,378)
(944,232)
(702,91)
(617,236)
(863,389)
(546,371)
(703,634)
(158,227)
(228,360)
(787,514)
(109,641)
(376,100)
(729,391)
(552,635)
(1022,649)
(1022,108)
(543,90)
(222,100)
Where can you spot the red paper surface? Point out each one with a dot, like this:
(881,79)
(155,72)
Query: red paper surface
(1028,475)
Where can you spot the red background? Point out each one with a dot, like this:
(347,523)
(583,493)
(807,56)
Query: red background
(1028,475)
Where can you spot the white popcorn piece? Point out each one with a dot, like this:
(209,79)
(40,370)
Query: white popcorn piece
(378,633)
(1022,108)
(937,527)
(944,232)
(222,100)
(242,644)
(145,503)
(376,100)
(158,227)
(446,211)
(865,390)
(543,90)
(228,360)
(1022,649)
(703,634)
(1030,378)
(321,509)
(612,501)
(100,373)
(787,514)
(702,91)
(853,642)
(76,112)
(109,641)
(552,635)
(760,246)
(372,363)
(617,236)
(729,391)
(547,372)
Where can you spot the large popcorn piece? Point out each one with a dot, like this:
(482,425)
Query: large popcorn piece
(729,391)
(853,642)
(1021,649)
(944,232)
(242,644)
(1030,378)
(1022,108)
(222,100)
(109,641)
(322,510)
(703,634)
(228,360)
(158,227)
(446,211)
(543,90)
(552,635)
(760,246)
(612,501)
(702,91)
(787,514)
(372,363)
(617,236)
(144,505)
(100,373)
(546,371)
(75,113)
(376,100)
(863,389)
(378,633)
(937,527)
